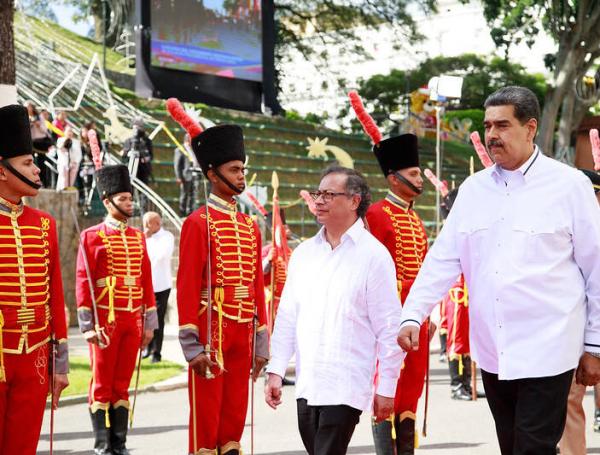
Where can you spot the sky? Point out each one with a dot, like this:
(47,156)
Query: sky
(65,13)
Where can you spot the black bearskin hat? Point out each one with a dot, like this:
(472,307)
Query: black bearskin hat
(219,145)
(15,132)
(112,180)
(396,153)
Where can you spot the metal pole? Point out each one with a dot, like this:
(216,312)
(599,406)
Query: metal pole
(104,33)
(438,167)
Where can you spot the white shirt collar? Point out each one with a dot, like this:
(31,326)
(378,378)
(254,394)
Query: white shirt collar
(524,170)
(353,232)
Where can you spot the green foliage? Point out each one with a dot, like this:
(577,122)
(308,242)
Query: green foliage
(311,117)
(482,76)
(476,116)
(305,25)
(151,373)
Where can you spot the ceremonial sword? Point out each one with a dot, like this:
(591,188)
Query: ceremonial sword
(97,328)
(208,373)
(139,361)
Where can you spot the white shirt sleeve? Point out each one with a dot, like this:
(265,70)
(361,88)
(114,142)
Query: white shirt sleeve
(283,341)
(586,251)
(385,310)
(438,272)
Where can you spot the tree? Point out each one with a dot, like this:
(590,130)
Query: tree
(116,13)
(482,76)
(575,27)
(7,45)
(316,28)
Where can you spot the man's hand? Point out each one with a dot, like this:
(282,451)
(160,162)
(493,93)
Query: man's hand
(201,363)
(588,371)
(273,390)
(179,182)
(259,364)
(61,381)
(147,338)
(408,338)
(382,408)
(91,336)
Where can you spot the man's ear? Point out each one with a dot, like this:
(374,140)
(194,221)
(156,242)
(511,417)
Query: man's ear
(3,176)
(532,126)
(211,176)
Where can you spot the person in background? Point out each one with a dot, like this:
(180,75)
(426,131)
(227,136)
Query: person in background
(139,147)
(87,169)
(60,121)
(42,142)
(160,244)
(68,159)
(184,176)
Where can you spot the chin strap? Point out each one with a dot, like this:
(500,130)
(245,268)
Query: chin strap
(407,183)
(227,182)
(20,176)
(114,204)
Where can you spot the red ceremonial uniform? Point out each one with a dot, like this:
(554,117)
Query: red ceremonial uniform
(122,278)
(277,272)
(32,311)
(395,224)
(218,406)
(457,314)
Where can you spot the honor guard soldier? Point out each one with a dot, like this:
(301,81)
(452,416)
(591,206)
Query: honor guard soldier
(33,329)
(116,307)
(395,224)
(220,293)
(456,306)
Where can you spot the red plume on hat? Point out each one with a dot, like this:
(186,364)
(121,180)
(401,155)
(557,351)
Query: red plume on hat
(180,116)
(364,118)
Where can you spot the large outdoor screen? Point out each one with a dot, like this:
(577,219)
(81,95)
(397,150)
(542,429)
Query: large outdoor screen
(218,37)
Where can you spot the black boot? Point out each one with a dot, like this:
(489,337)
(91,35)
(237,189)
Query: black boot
(118,430)
(405,436)
(443,343)
(456,381)
(467,378)
(101,433)
(382,437)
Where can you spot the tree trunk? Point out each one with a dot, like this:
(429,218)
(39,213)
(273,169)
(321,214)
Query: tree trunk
(98,29)
(565,124)
(7,45)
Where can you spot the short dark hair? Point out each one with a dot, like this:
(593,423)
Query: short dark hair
(522,99)
(355,184)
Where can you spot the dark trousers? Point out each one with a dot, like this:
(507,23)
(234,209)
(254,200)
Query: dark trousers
(326,430)
(529,413)
(185,197)
(162,299)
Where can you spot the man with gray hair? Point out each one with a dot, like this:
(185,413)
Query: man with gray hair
(526,235)
(160,244)
(339,313)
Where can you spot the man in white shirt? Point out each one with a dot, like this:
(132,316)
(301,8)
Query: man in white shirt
(160,244)
(338,313)
(526,234)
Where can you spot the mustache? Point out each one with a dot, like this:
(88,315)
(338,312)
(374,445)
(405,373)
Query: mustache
(494,143)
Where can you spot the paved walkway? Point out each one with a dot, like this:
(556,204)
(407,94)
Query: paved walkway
(454,428)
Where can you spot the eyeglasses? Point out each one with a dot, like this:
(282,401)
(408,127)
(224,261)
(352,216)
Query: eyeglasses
(326,195)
